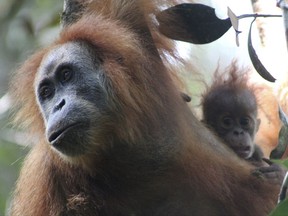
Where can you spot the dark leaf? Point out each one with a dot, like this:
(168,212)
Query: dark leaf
(278,152)
(283,117)
(255,60)
(194,23)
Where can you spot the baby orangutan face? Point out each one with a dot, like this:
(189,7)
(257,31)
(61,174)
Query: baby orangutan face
(233,117)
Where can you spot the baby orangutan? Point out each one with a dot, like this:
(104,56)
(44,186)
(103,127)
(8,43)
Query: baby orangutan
(230,110)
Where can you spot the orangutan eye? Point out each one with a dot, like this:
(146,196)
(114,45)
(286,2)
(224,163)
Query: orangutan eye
(65,74)
(245,122)
(227,122)
(46,91)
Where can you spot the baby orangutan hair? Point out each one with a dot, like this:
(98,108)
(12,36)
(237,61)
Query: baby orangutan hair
(230,110)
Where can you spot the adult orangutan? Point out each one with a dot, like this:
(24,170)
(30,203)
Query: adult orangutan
(114,136)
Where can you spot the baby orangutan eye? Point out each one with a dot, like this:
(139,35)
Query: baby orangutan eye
(245,122)
(227,122)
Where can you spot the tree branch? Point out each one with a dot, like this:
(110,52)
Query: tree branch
(72,11)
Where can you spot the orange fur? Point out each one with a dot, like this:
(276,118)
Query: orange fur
(172,165)
(267,136)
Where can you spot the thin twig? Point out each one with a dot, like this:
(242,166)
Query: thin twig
(257,15)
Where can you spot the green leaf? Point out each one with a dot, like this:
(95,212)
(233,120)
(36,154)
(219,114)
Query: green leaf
(278,152)
(281,209)
(285,163)
(282,116)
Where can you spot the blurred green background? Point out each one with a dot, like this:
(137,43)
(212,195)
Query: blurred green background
(25,25)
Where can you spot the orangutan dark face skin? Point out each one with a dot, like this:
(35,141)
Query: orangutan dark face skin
(71,94)
(233,117)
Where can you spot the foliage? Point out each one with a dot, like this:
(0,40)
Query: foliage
(24,26)
(11,156)
(279,151)
(281,209)
(198,24)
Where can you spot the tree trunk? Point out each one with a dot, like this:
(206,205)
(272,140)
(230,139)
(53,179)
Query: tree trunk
(283,4)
